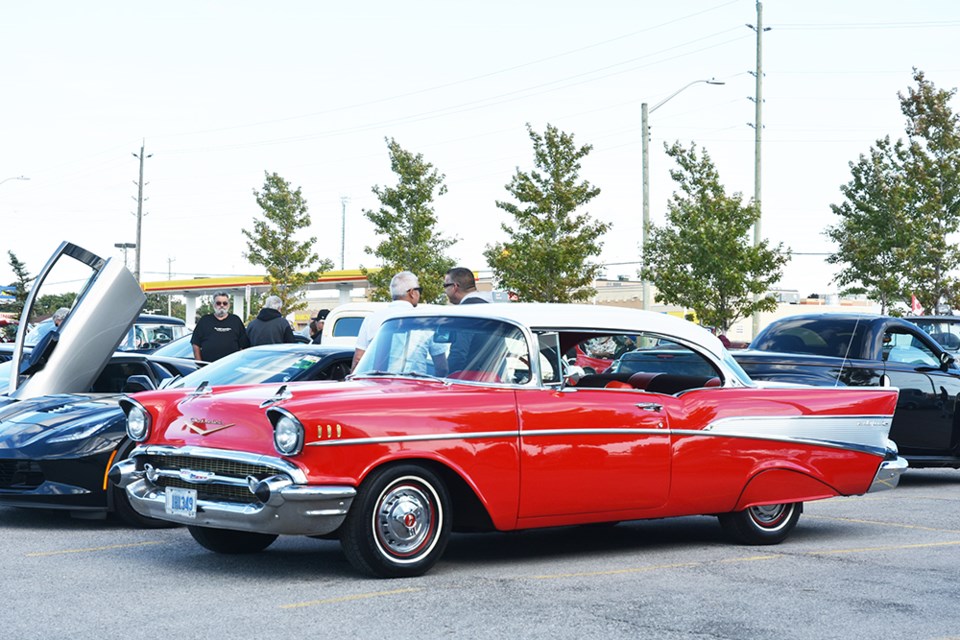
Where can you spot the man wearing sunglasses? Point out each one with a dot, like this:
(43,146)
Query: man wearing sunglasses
(219,333)
(405,291)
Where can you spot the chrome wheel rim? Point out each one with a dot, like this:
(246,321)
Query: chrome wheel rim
(772,516)
(407,520)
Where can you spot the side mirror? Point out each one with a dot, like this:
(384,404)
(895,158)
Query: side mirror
(946,360)
(137,383)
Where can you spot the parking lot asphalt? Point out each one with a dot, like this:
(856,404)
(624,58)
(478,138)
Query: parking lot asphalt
(880,565)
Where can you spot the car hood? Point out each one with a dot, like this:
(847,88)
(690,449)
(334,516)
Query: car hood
(237,419)
(25,422)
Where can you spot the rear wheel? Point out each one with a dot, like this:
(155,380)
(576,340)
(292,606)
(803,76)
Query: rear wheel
(767,524)
(231,542)
(399,523)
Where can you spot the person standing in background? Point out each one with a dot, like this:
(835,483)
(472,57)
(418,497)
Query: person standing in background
(270,327)
(219,333)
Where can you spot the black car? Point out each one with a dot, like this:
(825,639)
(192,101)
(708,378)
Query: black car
(55,450)
(867,350)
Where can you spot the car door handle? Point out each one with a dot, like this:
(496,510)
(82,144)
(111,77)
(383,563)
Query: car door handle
(650,406)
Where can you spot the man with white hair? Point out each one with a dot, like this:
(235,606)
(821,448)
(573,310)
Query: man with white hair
(270,327)
(405,291)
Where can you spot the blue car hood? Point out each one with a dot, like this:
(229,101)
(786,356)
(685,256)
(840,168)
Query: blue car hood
(25,419)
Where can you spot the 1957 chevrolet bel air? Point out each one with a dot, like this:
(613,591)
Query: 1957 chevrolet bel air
(501,433)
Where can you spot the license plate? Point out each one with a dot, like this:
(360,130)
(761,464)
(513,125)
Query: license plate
(181,502)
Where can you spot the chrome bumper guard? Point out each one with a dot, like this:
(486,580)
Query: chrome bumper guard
(888,475)
(292,509)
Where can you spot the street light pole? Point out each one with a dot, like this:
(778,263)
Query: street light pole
(645,164)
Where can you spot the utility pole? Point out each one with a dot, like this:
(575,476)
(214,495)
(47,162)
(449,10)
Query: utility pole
(645,173)
(170,262)
(343,228)
(758,132)
(139,214)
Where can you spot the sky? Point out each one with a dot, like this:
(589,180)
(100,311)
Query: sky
(218,93)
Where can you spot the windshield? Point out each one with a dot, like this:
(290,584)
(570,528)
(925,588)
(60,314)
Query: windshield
(451,347)
(254,366)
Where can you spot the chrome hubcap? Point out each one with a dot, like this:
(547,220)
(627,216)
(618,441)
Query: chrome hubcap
(404,521)
(770,516)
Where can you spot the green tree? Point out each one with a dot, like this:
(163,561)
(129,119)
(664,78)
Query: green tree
(902,207)
(547,256)
(703,258)
(876,233)
(158,304)
(47,304)
(407,224)
(21,286)
(273,244)
(933,169)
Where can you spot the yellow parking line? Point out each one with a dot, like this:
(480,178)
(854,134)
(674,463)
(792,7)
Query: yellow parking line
(350,598)
(883,523)
(893,547)
(41,554)
(776,556)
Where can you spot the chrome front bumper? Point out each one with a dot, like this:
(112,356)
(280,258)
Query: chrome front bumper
(888,475)
(290,509)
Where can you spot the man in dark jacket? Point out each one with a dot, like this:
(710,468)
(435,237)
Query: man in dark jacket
(270,327)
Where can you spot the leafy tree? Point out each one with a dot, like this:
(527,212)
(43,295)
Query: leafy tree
(933,168)
(46,305)
(547,256)
(902,205)
(407,223)
(703,258)
(21,286)
(290,263)
(158,304)
(876,231)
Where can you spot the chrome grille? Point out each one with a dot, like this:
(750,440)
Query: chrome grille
(211,491)
(219,466)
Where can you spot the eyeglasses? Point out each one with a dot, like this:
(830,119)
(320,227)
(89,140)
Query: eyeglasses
(417,289)
(222,304)
(448,284)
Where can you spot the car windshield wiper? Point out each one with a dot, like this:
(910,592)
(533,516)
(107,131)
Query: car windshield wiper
(418,374)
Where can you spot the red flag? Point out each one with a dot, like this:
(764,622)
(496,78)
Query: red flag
(915,306)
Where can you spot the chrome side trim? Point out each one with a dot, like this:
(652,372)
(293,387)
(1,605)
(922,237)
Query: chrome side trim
(858,432)
(479,435)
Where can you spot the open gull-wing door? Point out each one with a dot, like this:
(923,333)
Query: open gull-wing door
(69,358)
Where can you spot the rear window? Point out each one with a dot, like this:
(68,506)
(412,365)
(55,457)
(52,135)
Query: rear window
(348,326)
(818,337)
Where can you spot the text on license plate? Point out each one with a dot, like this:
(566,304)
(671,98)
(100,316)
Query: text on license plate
(181,502)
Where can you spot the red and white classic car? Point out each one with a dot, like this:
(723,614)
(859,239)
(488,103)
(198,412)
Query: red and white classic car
(465,418)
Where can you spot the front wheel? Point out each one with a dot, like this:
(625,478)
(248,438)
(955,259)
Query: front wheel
(767,524)
(399,523)
(231,542)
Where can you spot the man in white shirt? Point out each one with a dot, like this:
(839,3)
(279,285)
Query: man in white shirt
(405,291)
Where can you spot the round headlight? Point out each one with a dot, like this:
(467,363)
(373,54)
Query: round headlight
(287,435)
(138,423)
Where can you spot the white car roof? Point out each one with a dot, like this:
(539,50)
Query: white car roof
(586,317)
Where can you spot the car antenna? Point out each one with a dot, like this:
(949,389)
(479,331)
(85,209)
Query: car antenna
(846,352)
